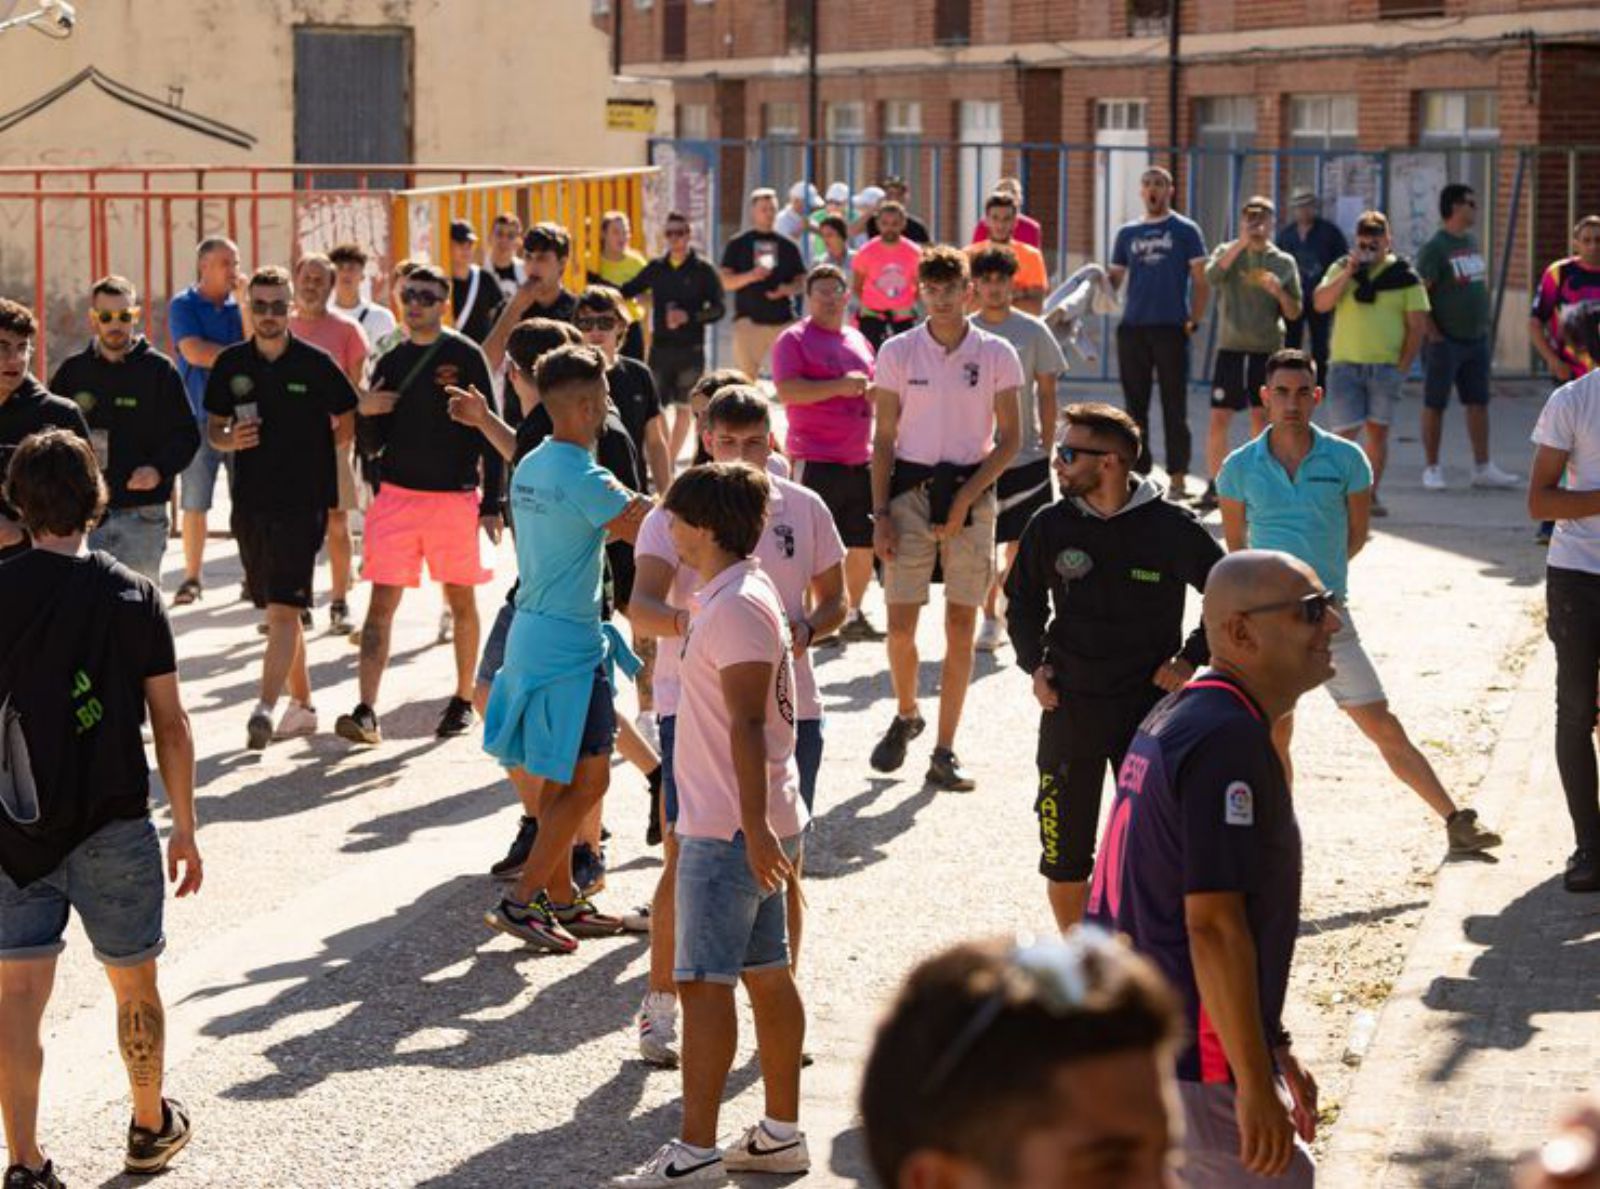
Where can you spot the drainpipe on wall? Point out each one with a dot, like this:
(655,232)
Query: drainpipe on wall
(813,96)
(1175,20)
(616,37)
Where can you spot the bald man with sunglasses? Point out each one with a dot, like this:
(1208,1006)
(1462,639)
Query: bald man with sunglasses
(1307,492)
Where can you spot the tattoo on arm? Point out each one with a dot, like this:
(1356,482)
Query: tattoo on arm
(141,1035)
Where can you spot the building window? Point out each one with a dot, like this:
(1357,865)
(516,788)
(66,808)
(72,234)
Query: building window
(1149,18)
(1319,126)
(844,159)
(600,8)
(1224,128)
(694,121)
(952,22)
(1466,125)
(783,153)
(641,5)
(1119,115)
(902,132)
(1399,10)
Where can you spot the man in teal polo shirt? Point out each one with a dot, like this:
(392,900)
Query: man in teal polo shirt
(1309,493)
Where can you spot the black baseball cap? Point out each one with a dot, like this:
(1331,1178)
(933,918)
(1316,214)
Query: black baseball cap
(461,232)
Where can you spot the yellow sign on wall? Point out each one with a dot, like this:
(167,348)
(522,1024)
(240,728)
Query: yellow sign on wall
(631,115)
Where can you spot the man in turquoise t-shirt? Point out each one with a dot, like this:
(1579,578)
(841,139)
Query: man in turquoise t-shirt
(1309,493)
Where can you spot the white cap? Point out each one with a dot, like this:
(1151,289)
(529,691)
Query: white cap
(807,191)
(839,192)
(869,198)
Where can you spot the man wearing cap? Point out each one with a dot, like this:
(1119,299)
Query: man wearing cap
(883,276)
(475,296)
(763,270)
(1258,287)
(1315,244)
(793,221)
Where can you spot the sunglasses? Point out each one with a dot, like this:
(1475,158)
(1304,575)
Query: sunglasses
(677,233)
(420,297)
(106,317)
(1313,607)
(1070,454)
(833,290)
(595,323)
(274,309)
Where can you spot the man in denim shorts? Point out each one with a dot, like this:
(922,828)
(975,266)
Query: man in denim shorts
(1381,318)
(92,651)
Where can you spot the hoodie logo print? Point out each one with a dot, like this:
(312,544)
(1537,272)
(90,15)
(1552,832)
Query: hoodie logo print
(1073,564)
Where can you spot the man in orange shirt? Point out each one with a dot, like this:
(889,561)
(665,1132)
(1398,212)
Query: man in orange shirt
(1032,280)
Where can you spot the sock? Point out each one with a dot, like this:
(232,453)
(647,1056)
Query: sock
(529,820)
(782,1132)
(266,707)
(696,1152)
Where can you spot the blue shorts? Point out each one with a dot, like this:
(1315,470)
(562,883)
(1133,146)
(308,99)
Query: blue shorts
(1359,392)
(137,537)
(1462,364)
(726,925)
(600,727)
(494,645)
(198,483)
(113,878)
(807,758)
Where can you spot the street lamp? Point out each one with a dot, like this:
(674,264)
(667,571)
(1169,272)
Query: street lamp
(50,14)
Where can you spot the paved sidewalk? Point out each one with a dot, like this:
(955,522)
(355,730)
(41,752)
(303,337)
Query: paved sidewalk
(1489,1032)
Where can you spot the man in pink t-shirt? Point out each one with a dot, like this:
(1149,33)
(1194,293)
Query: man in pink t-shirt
(949,422)
(885,277)
(740,819)
(342,339)
(823,369)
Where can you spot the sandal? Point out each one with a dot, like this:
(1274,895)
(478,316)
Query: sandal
(188,592)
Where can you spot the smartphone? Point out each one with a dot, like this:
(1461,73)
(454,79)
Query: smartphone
(246,413)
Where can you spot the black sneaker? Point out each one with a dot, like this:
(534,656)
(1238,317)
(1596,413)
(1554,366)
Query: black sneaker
(890,752)
(457,719)
(533,923)
(588,869)
(359,726)
(652,832)
(511,866)
(189,591)
(859,629)
(20,1176)
(1208,499)
(1583,871)
(152,1151)
(339,618)
(946,772)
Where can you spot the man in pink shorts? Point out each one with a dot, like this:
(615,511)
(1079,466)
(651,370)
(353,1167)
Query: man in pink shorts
(440,483)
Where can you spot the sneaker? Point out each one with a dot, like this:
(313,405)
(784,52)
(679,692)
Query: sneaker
(457,719)
(1488,475)
(588,869)
(297,722)
(339,622)
(658,1029)
(258,731)
(189,591)
(1177,488)
(359,726)
(946,772)
(674,1164)
(582,919)
(1467,835)
(1208,499)
(20,1176)
(152,1151)
(1433,478)
(447,627)
(890,752)
(649,731)
(510,867)
(858,629)
(757,1151)
(637,921)
(533,923)
(1583,871)
(991,635)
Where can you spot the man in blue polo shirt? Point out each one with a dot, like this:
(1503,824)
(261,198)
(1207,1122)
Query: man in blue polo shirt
(1309,494)
(204,318)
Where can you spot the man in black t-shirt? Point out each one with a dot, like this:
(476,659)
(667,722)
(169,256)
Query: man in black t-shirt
(441,486)
(763,270)
(602,319)
(545,250)
(475,297)
(281,407)
(503,263)
(89,652)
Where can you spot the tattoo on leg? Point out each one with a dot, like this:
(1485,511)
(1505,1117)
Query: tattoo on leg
(372,641)
(141,1035)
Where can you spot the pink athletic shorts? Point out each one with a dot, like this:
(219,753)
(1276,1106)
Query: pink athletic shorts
(403,527)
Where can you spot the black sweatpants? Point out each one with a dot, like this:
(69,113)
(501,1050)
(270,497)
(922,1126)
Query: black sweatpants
(1572,598)
(1147,353)
(1077,742)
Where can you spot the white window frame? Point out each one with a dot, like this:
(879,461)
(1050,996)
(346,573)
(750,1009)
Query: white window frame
(696,126)
(1121,115)
(843,161)
(599,8)
(1461,126)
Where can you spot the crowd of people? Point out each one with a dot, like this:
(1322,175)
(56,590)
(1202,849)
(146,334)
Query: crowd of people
(922,442)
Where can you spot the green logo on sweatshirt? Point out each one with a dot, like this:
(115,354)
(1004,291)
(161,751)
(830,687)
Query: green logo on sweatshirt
(1139,575)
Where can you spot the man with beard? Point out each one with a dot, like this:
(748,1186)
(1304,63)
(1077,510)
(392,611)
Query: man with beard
(25,408)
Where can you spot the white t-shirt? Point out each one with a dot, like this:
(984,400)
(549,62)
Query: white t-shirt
(376,320)
(1570,421)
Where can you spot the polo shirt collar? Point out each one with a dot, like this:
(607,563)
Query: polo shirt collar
(1263,442)
(968,344)
(725,579)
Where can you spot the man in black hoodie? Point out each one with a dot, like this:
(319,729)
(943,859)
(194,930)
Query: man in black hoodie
(25,408)
(140,424)
(1113,557)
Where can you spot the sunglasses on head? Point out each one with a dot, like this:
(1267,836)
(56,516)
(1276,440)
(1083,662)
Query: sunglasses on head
(274,309)
(604,322)
(420,297)
(106,317)
(1313,608)
(1070,454)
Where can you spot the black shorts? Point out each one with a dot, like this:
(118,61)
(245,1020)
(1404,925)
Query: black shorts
(1237,380)
(1022,491)
(279,552)
(847,490)
(619,561)
(676,371)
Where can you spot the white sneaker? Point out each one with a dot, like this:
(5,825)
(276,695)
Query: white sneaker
(674,1164)
(658,1029)
(637,921)
(296,722)
(649,730)
(757,1151)
(1489,475)
(991,635)
(447,627)
(1433,478)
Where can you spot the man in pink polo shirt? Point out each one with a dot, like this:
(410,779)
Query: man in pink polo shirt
(884,277)
(823,369)
(949,422)
(740,817)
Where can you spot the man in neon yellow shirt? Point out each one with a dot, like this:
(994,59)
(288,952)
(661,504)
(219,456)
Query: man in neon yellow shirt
(618,265)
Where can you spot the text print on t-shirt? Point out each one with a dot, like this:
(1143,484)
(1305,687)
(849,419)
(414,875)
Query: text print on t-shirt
(1151,249)
(86,708)
(1468,267)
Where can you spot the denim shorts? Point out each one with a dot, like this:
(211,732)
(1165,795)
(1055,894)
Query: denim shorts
(1359,392)
(198,483)
(600,727)
(137,537)
(667,733)
(494,644)
(807,758)
(726,925)
(1462,364)
(113,878)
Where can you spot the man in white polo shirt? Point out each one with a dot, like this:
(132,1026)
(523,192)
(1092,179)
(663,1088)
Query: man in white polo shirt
(739,822)
(948,424)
